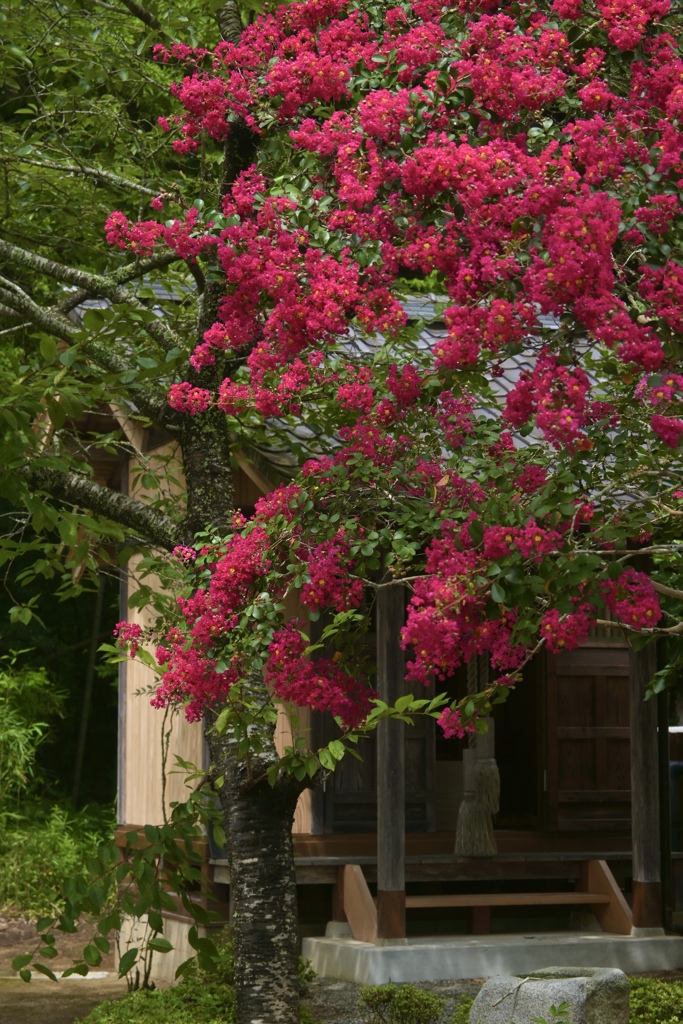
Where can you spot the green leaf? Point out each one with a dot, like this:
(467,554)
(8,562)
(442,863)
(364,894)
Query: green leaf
(93,319)
(326,759)
(337,749)
(21,961)
(80,969)
(160,945)
(498,594)
(186,968)
(127,961)
(155,920)
(219,836)
(48,348)
(25,975)
(46,971)
(92,956)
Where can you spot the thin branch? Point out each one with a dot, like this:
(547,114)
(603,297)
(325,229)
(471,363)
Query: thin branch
(652,631)
(18,327)
(198,276)
(74,488)
(99,175)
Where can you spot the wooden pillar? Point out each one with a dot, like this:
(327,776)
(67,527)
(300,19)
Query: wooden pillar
(645,832)
(338,912)
(391,887)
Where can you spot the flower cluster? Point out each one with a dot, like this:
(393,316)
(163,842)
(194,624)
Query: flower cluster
(184,397)
(633,599)
(533,541)
(557,395)
(330,585)
(451,723)
(129,636)
(565,632)
(321,684)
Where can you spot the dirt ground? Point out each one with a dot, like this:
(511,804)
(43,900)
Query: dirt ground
(42,1000)
(330,1000)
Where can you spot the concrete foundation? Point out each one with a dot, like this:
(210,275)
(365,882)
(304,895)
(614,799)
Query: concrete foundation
(454,957)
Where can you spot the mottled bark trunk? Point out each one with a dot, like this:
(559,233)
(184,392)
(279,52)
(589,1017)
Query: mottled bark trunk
(208,474)
(258,825)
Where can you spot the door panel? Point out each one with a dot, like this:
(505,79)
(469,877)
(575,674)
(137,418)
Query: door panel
(588,765)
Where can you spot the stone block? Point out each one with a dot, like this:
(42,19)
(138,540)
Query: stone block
(595,995)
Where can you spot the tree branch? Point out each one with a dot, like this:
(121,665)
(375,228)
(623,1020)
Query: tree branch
(157,329)
(6,311)
(662,588)
(97,173)
(18,301)
(74,488)
(142,14)
(151,402)
(229,21)
(121,276)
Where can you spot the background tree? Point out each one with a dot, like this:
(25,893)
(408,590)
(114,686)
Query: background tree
(527,163)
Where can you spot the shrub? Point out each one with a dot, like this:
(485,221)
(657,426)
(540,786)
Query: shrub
(462,1011)
(656,1002)
(27,698)
(201,997)
(39,851)
(187,1003)
(401,1004)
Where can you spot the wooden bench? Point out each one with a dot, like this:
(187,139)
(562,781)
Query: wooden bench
(599,891)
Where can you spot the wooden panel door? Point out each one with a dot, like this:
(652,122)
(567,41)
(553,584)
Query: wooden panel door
(587,742)
(348,801)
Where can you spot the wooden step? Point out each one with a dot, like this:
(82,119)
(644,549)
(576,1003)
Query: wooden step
(354,903)
(508,899)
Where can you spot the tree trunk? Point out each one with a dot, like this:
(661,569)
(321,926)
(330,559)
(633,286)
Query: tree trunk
(258,818)
(258,827)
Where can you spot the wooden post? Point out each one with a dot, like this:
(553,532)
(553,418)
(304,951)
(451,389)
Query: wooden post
(338,912)
(645,833)
(391,886)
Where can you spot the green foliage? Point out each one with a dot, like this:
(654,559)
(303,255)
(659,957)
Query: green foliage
(188,1003)
(27,699)
(462,1011)
(306,975)
(400,1004)
(39,851)
(558,1015)
(201,997)
(154,870)
(656,1002)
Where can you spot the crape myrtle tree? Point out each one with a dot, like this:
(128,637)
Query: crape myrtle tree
(522,162)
